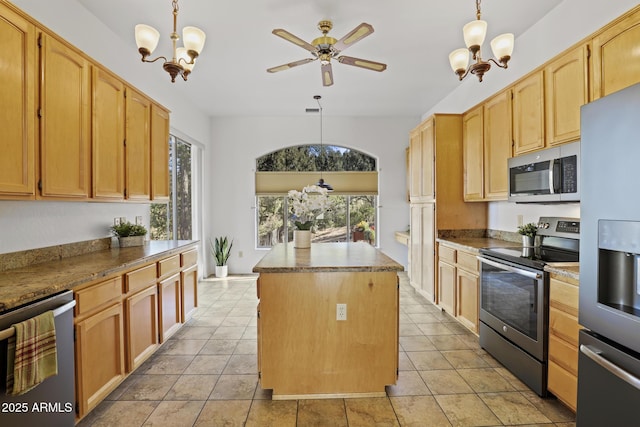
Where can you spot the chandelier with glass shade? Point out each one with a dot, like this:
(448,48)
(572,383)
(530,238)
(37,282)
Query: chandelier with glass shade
(474,33)
(184,58)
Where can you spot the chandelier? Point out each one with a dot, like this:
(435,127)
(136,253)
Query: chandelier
(184,58)
(474,34)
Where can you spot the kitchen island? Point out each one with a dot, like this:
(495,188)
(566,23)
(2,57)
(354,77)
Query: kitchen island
(304,351)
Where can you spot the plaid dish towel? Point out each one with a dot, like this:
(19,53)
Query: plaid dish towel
(31,354)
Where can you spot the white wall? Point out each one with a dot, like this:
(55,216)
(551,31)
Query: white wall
(27,225)
(238,141)
(567,24)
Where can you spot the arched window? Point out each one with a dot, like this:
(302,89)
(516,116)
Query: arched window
(351,173)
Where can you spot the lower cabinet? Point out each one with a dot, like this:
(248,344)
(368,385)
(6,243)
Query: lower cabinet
(141,326)
(563,339)
(99,356)
(459,284)
(121,321)
(170,306)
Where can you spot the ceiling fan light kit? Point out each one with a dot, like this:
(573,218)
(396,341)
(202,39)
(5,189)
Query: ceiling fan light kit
(474,34)
(184,58)
(325,48)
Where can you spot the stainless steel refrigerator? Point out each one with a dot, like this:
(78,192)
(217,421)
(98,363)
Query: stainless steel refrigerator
(609,358)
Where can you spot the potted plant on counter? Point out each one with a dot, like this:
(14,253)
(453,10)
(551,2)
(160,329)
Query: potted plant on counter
(221,251)
(528,232)
(307,206)
(129,234)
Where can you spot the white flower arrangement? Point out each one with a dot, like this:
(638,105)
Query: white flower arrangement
(307,205)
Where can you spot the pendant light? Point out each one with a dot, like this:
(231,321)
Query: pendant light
(321,183)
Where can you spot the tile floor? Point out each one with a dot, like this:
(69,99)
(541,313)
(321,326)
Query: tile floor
(206,375)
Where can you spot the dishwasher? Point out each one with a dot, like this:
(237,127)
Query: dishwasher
(52,402)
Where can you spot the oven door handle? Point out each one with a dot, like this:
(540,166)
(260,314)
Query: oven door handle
(526,273)
(625,376)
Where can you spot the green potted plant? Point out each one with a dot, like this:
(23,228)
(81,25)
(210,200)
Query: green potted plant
(129,234)
(221,251)
(528,232)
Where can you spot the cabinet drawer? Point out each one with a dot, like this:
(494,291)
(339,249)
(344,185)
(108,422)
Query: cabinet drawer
(99,294)
(189,258)
(563,354)
(140,278)
(564,326)
(169,266)
(445,253)
(468,261)
(563,296)
(563,385)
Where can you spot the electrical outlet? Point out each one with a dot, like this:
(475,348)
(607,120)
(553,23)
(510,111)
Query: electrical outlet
(116,221)
(520,220)
(341,312)
(139,220)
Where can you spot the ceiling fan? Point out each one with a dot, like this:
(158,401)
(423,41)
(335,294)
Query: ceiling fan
(326,47)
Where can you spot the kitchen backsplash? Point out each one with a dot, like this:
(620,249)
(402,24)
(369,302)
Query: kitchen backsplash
(509,236)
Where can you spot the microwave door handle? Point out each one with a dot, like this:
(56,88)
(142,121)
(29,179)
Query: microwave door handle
(555,175)
(526,273)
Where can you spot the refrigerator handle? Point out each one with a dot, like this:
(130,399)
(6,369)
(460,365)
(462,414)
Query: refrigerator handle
(625,376)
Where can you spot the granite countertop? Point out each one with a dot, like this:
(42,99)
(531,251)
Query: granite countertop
(570,270)
(474,244)
(325,257)
(23,285)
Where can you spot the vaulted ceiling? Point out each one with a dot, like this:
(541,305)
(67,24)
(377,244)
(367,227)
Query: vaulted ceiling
(413,37)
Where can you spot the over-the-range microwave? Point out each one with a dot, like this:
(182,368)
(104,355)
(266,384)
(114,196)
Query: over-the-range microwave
(546,176)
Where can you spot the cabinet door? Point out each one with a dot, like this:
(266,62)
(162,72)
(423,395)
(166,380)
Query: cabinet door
(138,146)
(65,123)
(99,357)
(467,298)
(616,64)
(108,136)
(428,253)
(159,153)
(427,140)
(446,286)
(415,166)
(170,304)
(189,279)
(497,145)
(17,91)
(472,153)
(528,114)
(566,90)
(415,241)
(141,325)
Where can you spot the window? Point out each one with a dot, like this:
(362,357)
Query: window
(353,203)
(173,219)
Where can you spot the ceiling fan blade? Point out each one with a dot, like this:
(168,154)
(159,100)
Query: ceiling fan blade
(294,39)
(327,74)
(290,65)
(357,34)
(363,63)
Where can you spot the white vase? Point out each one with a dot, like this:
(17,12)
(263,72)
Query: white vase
(302,239)
(222,271)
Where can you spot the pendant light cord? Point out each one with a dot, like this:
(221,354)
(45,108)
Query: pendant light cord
(317,98)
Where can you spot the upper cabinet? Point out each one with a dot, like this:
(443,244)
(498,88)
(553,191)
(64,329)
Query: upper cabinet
(497,145)
(421,145)
(108,135)
(65,121)
(138,146)
(17,91)
(615,62)
(473,154)
(159,153)
(566,90)
(528,114)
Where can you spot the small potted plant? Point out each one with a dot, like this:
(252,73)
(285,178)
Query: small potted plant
(221,250)
(129,234)
(528,232)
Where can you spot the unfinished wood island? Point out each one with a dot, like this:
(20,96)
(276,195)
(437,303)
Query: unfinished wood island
(303,350)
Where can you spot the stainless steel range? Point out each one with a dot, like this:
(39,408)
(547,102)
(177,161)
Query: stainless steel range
(514,299)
